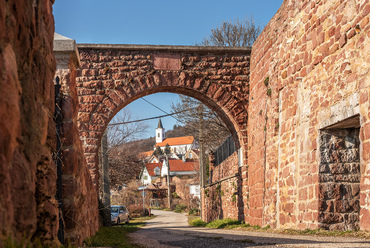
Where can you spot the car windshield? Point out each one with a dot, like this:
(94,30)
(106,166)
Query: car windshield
(114,210)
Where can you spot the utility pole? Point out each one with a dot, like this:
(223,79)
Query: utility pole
(203,173)
(202,168)
(168,182)
(143,192)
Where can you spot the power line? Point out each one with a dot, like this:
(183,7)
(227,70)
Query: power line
(146,119)
(159,109)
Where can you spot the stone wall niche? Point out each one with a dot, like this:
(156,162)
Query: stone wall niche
(339,175)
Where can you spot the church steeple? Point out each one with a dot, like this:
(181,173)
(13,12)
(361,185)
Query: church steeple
(159,132)
(160,124)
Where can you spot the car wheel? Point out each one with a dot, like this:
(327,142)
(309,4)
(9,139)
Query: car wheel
(128,220)
(118,221)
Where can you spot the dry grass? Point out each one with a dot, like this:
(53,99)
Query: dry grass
(236,225)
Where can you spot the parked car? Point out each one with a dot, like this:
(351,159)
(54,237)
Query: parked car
(119,214)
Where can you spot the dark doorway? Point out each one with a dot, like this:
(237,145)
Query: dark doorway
(340,175)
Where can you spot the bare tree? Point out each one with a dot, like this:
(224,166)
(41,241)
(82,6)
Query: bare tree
(215,131)
(123,133)
(123,154)
(234,33)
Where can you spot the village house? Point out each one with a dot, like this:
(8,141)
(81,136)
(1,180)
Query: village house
(178,167)
(182,161)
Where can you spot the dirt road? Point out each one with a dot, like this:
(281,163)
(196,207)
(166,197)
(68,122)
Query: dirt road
(170,230)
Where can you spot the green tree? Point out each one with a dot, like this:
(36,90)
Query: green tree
(158,151)
(167,149)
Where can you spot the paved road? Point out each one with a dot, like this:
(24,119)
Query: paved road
(169,230)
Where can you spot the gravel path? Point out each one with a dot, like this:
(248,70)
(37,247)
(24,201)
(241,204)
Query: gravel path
(169,230)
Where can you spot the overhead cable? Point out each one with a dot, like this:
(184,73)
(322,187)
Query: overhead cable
(159,108)
(146,119)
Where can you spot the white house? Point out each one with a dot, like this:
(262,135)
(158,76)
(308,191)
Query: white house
(194,190)
(179,167)
(151,171)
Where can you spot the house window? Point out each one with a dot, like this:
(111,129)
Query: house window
(174,149)
(190,155)
(145,177)
(158,135)
(157,171)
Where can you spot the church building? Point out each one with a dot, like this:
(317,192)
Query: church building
(178,145)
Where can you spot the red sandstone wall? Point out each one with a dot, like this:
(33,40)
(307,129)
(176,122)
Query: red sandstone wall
(80,197)
(27,131)
(228,167)
(315,55)
(222,199)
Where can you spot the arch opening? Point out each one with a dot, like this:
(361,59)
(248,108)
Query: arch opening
(118,155)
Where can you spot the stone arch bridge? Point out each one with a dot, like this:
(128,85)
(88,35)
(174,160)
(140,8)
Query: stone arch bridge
(112,76)
(98,80)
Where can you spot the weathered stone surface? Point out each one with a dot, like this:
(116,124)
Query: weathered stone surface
(78,190)
(27,140)
(223,198)
(305,56)
(339,179)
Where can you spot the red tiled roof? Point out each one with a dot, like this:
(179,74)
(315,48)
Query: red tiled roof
(179,165)
(151,166)
(145,154)
(186,140)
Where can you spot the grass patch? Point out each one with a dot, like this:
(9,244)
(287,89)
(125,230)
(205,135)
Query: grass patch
(116,235)
(194,221)
(219,224)
(322,232)
(234,224)
(216,224)
(10,242)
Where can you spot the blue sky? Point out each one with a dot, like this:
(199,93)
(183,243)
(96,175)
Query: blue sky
(161,22)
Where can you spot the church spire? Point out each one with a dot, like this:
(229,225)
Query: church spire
(159,132)
(160,123)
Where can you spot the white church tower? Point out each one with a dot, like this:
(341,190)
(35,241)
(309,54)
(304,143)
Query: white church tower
(159,132)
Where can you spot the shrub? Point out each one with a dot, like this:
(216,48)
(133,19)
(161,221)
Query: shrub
(194,211)
(136,210)
(180,208)
(175,195)
(197,222)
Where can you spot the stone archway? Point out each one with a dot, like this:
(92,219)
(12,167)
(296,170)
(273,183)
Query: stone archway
(112,76)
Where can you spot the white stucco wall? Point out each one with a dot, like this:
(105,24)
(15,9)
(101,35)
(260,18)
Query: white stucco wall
(194,190)
(145,177)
